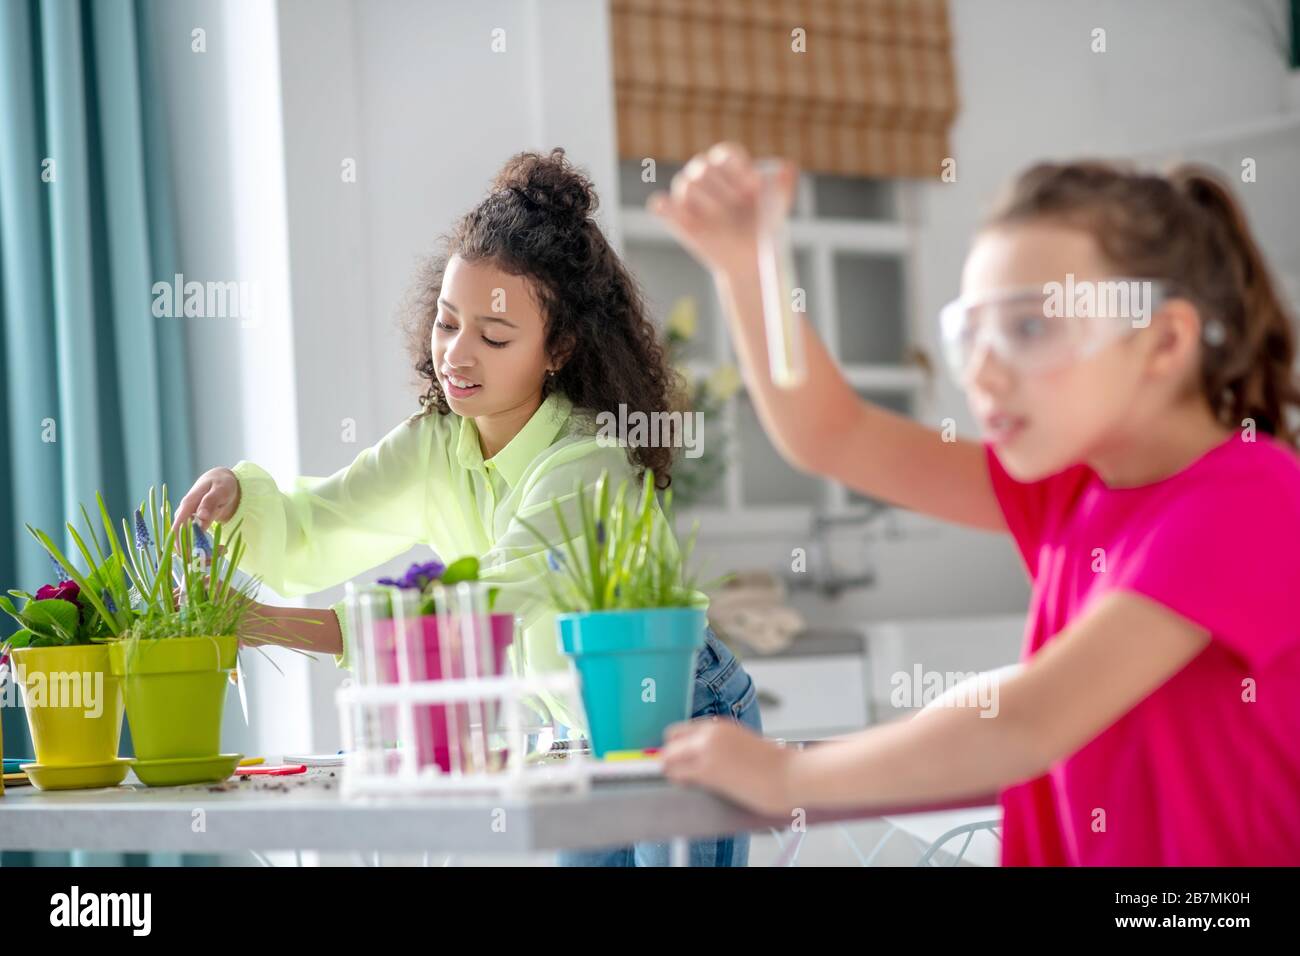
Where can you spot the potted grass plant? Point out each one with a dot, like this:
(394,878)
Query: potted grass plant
(177,611)
(177,655)
(631,616)
(416,640)
(60,659)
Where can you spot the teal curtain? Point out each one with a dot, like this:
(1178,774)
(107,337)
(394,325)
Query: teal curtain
(93,394)
(1295,34)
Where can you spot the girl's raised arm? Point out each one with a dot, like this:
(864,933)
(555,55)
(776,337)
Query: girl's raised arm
(821,426)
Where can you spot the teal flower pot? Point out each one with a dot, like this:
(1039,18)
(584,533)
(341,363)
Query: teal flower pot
(637,670)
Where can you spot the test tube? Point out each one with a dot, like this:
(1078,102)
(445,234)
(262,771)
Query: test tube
(371,725)
(466,650)
(405,663)
(777,279)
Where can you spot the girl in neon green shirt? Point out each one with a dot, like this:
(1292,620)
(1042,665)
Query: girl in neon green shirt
(526,325)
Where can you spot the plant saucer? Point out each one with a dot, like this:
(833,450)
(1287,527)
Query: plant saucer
(81,776)
(178,771)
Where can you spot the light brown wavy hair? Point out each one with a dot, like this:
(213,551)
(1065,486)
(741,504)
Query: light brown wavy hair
(1186,229)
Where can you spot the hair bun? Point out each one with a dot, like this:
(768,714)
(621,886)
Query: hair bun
(548,182)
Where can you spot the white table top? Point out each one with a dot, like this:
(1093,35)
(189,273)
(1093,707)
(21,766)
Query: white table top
(307,812)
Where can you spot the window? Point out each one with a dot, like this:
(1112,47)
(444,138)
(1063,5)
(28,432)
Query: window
(853,242)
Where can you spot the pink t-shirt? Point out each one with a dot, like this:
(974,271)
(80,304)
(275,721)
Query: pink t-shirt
(1206,769)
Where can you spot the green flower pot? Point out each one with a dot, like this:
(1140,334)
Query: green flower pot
(175,693)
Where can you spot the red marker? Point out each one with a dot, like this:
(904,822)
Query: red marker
(283,770)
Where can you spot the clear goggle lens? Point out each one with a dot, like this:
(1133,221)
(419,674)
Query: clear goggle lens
(1040,329)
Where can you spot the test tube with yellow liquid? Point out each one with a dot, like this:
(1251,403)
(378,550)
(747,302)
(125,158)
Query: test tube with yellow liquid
(777,279)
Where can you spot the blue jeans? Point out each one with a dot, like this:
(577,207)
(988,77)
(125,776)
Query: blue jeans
(722,688)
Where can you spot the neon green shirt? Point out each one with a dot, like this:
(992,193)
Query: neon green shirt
(426,482)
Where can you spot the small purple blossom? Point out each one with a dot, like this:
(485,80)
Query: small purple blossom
(600,532)
(202,543)
(60,572)
(417,577)
(108,601)
(555,559)
(142,540)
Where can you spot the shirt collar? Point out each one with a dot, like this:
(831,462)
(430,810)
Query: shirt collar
(533,439)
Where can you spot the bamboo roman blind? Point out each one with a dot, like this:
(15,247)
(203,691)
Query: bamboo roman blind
(873,93)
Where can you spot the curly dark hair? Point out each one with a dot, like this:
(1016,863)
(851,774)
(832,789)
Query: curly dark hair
(536,222)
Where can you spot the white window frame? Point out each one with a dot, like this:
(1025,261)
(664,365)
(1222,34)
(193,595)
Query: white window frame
(820,238)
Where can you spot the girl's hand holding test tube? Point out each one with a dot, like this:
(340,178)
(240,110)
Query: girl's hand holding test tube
(731,213)
(713,207)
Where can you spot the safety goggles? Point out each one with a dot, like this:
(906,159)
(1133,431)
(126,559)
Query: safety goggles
(1037,329)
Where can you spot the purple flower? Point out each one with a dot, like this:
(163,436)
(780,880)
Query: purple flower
(202,543)
(108,601)
(60,572)
(600,532)
(417,577)
(554,559)
(141,532)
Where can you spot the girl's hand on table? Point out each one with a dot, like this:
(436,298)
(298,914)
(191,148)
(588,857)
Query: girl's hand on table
(731,760)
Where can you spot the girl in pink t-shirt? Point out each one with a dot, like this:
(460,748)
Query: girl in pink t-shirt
(1130,362)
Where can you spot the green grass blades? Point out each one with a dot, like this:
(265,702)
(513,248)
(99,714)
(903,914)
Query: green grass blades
(204,569)
(624,555)
(129,587)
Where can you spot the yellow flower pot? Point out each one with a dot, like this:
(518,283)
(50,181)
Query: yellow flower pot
(73,701)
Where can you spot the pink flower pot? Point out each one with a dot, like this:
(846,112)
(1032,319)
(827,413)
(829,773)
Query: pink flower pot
(423,659)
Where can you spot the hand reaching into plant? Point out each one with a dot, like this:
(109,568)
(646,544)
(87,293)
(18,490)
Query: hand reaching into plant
(214,497)
(130,579)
